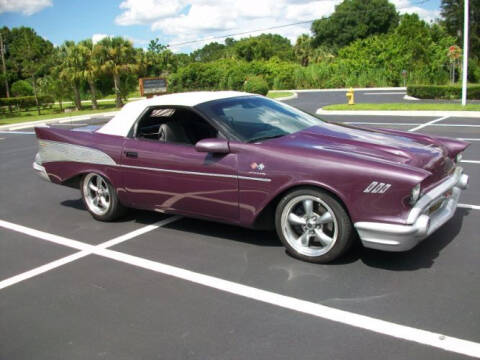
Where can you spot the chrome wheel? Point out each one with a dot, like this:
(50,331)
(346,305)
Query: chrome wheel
(309,225)
(97,194)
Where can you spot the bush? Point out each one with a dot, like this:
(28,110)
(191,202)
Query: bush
(22,88)
(256,85)
(27,102)
(443,91)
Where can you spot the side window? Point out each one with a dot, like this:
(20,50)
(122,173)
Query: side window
(171,125)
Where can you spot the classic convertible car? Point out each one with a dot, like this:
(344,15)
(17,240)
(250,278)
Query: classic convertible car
(251,161)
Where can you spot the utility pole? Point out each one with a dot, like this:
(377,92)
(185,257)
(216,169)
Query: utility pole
(465,53)
(4,67)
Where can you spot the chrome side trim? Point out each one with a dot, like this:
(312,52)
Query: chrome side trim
(51,151)
(196,173)
(57,151)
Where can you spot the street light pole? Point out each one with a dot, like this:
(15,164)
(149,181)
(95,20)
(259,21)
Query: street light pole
(465,53)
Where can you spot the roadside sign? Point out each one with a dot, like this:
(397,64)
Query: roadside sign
(152,86)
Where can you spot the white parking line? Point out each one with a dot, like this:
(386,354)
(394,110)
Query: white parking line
(468,139)
(383,327)
(379,123)
(18,132)
(388,328)
(428,123)
(468,206)
(86,249)
(409,124)
(471,161)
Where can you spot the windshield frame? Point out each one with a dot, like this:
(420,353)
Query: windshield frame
(205,109)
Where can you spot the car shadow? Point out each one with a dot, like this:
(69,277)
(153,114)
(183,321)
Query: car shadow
(420,257)
(142,217)
(227,232)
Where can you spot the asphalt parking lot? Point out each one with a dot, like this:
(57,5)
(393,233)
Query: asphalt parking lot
(153,286)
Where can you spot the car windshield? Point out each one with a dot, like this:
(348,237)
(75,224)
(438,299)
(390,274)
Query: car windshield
(254,118)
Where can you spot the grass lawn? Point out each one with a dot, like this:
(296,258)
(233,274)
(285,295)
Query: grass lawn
(54,112)
(279,94)
(405,106)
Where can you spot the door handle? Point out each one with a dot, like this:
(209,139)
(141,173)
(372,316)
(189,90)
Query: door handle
(131,154)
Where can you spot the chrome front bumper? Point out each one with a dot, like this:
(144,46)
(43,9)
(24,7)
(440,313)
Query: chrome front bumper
(430,212)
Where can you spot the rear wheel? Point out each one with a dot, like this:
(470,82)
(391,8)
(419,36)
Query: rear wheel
(313,225)
(100,198)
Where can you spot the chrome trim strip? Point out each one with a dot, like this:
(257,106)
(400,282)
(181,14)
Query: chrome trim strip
(196,173)
(51,151)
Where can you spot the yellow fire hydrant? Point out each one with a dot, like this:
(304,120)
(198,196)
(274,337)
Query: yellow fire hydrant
(350,97)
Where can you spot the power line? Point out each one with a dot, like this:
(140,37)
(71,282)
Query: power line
(241,33)
(420,2)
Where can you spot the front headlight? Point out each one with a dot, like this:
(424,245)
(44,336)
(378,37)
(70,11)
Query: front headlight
(458,158)
(415,195)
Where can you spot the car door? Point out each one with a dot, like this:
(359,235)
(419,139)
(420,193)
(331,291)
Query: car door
(175,177)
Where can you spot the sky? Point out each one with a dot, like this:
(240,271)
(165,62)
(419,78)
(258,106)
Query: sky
(176,21)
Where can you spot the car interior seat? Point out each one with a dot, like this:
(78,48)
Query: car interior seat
(173,132)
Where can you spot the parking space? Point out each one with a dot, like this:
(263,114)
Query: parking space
(128,298)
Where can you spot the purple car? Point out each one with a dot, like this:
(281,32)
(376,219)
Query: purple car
(247,160)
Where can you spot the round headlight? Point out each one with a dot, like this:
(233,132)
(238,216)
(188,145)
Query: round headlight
(415,195)
(458,158)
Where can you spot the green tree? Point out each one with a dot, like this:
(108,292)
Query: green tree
(30,53)
(414,46)
(263,47)
(210,52)
(91,67)
(303,49)
(116,56)
(73,67)
(453,15)
(156,47)
(352,20)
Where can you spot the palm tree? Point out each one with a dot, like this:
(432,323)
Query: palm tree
(91,68)
(73,64)
(116,56)
(303,49)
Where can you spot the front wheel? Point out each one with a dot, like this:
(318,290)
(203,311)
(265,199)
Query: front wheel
(313,225)
(100,198)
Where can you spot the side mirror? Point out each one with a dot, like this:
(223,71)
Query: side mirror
(216,146)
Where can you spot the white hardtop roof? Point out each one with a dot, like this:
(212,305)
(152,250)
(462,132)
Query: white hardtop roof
(123,121)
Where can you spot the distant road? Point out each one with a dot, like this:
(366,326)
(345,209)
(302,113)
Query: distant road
(312,100)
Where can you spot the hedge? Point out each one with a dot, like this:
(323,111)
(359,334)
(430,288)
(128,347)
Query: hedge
(256,85)
(26,102)
(443,91)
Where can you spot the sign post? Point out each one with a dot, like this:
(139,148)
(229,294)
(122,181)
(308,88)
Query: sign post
(152,86)
(465,53)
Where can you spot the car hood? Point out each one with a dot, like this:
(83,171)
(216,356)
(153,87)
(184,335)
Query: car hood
(415,150)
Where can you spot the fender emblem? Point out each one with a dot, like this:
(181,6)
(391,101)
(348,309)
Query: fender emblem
(255,166)
(377,188)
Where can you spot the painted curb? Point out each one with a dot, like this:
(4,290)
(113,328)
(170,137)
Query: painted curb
(463,114)
(62,120)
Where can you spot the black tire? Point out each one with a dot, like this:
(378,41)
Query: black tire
(101,212)
(286,229)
